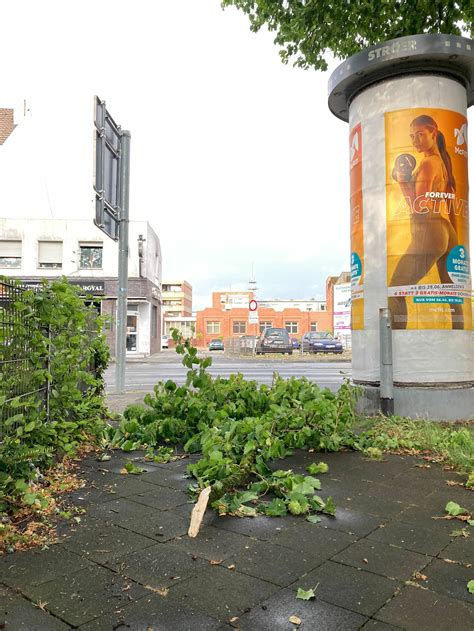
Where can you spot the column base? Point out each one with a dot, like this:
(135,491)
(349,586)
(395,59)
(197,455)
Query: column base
(433,403)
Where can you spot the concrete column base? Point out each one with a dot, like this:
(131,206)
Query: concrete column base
(431,403)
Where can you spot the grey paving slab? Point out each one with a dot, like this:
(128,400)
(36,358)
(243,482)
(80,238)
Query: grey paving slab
(274,563)
(352,522)
(162,498)
(379,558)
(313,539)
(260,527)
(158,567)
(85,595)
(444,494)
(104,542)
(185,510)
(17,613)
(417,538)
(121,509)
(167,476)
(377,625)
(460,549)
(25,569)
(416,609)
(221,593)
(211,543)
(377,502)
(449,579)
(275,612)
(429,513)
(124,486)
(349,587)
(154,613)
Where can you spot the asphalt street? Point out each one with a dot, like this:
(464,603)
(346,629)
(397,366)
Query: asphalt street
(143,375)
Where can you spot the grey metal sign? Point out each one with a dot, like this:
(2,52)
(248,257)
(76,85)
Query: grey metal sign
(447,55)
(106,170)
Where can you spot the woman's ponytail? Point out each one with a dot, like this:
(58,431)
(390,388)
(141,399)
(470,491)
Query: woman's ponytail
(441,142)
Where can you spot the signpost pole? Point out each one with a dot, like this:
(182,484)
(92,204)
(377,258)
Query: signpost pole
(123,263)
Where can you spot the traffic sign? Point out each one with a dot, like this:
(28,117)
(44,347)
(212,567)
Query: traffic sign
(253,317)
(108,145)
(253,305)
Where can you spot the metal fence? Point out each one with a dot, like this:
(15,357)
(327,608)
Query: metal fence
(20,386)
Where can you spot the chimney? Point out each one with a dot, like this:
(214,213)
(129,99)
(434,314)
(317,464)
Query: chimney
(6,124)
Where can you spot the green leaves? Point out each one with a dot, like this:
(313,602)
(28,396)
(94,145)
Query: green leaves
(454,509)
(306,32)
(276,508)
(314,468)
(132,468)
(305,594)
(470,587)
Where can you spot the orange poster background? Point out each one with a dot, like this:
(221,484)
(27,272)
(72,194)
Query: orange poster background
(357,229)
(403,221)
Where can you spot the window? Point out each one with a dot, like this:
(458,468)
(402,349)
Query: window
(50,254)
(291,327)
(10,253)
(90,256)
(213,327)
(265,325)
(323,307)
(313,326)
(238,327)
(154,321)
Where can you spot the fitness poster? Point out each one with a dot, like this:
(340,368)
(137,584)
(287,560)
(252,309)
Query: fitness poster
(357,229)
(428,268)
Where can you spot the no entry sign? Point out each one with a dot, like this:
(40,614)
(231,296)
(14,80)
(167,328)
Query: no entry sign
(253,306)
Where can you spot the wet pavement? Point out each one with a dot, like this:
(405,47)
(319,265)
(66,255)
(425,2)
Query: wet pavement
(387,560)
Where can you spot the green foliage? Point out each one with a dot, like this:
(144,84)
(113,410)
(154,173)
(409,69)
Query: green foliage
(452,508)
(453,443)
(303,594)
(470,587)
(67,353)
(239,426)
(308,31)
(320,467)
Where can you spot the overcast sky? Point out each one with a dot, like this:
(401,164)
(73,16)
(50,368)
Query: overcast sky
(236,160)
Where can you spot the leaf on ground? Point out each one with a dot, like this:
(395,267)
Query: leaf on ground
(420,577)
(215,561)
(303,594)
(295,620)
(231,567)
(452,508)
(470,587)
(459,533)
(313,519)
(161,591)
(315,468)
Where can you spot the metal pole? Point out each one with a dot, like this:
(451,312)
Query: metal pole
(122,262)
(386,363)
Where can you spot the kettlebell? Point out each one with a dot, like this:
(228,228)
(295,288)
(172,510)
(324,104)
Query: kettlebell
(404,164)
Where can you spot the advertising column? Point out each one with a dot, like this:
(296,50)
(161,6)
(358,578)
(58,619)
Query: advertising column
(406,102)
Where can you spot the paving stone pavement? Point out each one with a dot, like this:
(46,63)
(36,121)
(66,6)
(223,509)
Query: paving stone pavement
(388,560)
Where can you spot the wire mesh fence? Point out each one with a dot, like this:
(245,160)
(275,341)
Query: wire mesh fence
(22,381)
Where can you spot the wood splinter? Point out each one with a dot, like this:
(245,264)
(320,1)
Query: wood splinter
(198,512)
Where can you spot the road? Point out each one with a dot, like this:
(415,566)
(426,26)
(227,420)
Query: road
(142,376)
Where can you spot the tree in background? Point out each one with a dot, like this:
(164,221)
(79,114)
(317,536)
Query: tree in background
(307,30)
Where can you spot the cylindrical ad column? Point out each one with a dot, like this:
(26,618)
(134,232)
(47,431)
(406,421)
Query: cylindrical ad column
(410,228)
(406,104)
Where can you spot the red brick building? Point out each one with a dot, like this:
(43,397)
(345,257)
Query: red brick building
(228,317)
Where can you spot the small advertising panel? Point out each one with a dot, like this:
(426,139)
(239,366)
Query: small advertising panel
(357,228)
(342,310)
(428,266)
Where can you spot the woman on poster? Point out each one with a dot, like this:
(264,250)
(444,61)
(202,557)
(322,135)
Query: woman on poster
(433,231)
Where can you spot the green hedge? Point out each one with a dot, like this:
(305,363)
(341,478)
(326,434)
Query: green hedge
(51,345)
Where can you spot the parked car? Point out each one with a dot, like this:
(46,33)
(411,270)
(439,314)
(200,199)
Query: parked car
(216,345)
(164,341)
(295,342)
(274,340)
(320,342)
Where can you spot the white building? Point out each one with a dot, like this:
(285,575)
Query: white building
(47,207)
(33,249)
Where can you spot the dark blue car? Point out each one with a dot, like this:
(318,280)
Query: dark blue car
(320,342)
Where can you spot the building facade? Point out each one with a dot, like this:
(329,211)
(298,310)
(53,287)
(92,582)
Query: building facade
(35,249)
(229,316)
(177,297)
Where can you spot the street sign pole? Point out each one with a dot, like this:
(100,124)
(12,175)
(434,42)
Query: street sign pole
(123,262)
